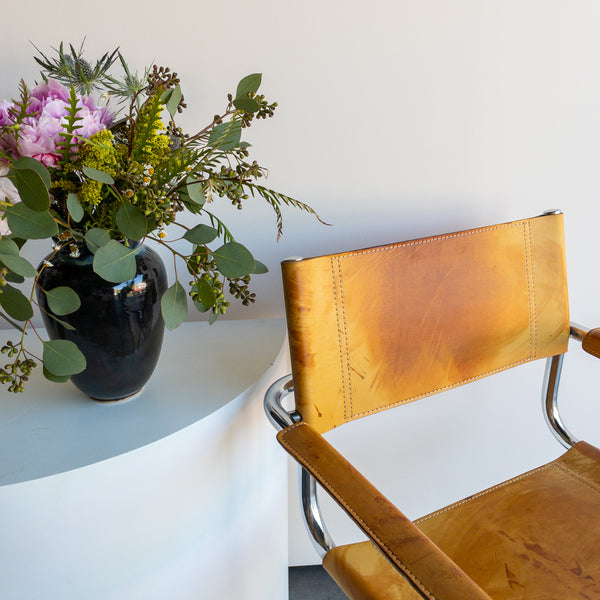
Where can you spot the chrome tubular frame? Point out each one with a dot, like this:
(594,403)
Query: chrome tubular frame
(550,401)
(311,511)
(550,392)
(281,418)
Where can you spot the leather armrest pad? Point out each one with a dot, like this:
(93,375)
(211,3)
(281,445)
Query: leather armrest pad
(591,342)
(427,568)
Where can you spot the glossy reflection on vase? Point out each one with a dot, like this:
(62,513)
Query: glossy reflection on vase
(118,327)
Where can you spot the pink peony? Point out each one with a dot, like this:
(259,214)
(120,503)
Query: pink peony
(40,134)
(46,92)
(5,116)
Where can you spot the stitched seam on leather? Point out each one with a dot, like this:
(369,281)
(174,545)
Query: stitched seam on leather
(483,493)
(339,332)
(530,289)
(391,247)
(333,491)
(379,551)
(346,339)
(582,479)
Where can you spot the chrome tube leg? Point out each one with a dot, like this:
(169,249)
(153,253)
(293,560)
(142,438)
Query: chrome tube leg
(550,401)
(311,511)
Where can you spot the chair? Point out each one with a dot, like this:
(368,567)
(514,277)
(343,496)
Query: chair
(376,328)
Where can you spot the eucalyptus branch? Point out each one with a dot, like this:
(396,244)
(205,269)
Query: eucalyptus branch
(216,121)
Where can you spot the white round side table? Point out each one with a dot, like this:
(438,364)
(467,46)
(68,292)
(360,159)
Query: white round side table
(179,493)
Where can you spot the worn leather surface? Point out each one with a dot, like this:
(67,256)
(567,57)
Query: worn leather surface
(591,342)
(364,573)
(375,328)
(424,566)
(535,537)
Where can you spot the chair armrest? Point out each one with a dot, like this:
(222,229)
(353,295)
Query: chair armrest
(433,574)
(591,342)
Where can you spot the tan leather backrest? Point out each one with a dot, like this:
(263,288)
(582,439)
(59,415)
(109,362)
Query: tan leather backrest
(374,328)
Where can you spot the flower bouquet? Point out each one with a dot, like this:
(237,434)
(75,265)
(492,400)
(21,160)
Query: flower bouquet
(96,163)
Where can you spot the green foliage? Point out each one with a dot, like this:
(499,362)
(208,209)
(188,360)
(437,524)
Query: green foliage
(114,262)
(126,184)
(97,175)
(15,303)
(173,306)
(74,207)
(63,358)
(30,224)
(62,300)
(25,162)
(200,234)
(68,145)
(95,238)
(31,187)
(131,221)
(234,260)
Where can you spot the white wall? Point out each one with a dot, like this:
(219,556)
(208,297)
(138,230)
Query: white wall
(396,119)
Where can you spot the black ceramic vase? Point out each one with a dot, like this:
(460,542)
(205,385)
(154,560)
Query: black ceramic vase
(118,327)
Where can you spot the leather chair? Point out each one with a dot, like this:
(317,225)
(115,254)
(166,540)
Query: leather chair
(376,328)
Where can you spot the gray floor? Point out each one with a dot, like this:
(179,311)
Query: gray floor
(313,583)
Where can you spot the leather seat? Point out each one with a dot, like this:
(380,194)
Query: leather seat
(534,537)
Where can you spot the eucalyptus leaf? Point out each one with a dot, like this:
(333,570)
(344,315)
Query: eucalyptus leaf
(15,303)
(195,192)
(173,305)
(55,378)
(249,105)
(10,321)
(74,207)
(97,175)
(206,294)
(8,246)
(248,85)
(200,307)
(189,203)
(173,100)
(260,268)
(96,238)
(226,136)
(201,234)
(32,189)
(62,300)
(25,162)
(62,358)
(18,265)
(131,221)
(30,224)
(60,321)
(114,262)
(234,260)
(13,277)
